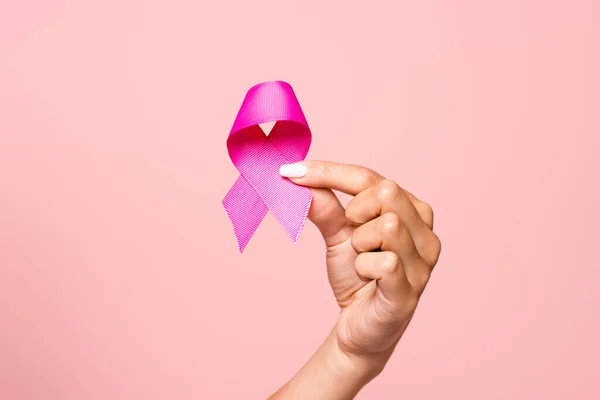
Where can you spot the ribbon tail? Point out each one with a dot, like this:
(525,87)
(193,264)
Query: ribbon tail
(293,217)
(245,209)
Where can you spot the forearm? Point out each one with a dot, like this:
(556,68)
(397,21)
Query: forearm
(330,374)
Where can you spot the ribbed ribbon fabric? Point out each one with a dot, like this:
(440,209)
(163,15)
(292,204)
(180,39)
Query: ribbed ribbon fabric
(257,157)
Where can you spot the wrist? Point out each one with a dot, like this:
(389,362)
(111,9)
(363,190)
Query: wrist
(331,373)
(359,368)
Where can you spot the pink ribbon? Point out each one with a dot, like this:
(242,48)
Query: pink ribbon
(258,157)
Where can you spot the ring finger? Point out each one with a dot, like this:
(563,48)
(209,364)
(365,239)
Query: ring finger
(388,233)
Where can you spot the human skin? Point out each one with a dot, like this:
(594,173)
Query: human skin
(381,251)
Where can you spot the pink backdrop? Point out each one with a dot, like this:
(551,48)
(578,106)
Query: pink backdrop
(119,271)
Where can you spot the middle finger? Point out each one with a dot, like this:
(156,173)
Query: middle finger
(387,233)
(386,197)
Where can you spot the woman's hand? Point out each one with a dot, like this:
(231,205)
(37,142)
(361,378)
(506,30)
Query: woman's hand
(381,251)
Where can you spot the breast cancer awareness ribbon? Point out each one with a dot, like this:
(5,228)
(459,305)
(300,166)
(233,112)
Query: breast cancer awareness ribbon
(258,157)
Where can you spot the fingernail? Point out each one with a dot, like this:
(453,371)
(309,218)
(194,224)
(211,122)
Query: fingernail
(293,170)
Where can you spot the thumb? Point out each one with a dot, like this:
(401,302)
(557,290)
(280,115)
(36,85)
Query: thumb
(327,213)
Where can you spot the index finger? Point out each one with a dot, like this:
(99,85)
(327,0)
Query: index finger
(346,178)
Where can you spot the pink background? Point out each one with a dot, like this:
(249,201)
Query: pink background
(119,271)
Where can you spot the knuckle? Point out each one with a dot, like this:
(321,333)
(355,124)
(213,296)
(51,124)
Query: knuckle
(389,262)
(368,177)
(434,248)
(427,209)
(426,212)
(387,190)
(389,224)
(356,242)
(359,263)
(436,244)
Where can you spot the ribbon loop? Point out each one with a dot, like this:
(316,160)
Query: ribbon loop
(258,158)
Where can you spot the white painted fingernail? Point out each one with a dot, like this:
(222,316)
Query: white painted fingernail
(293,170)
